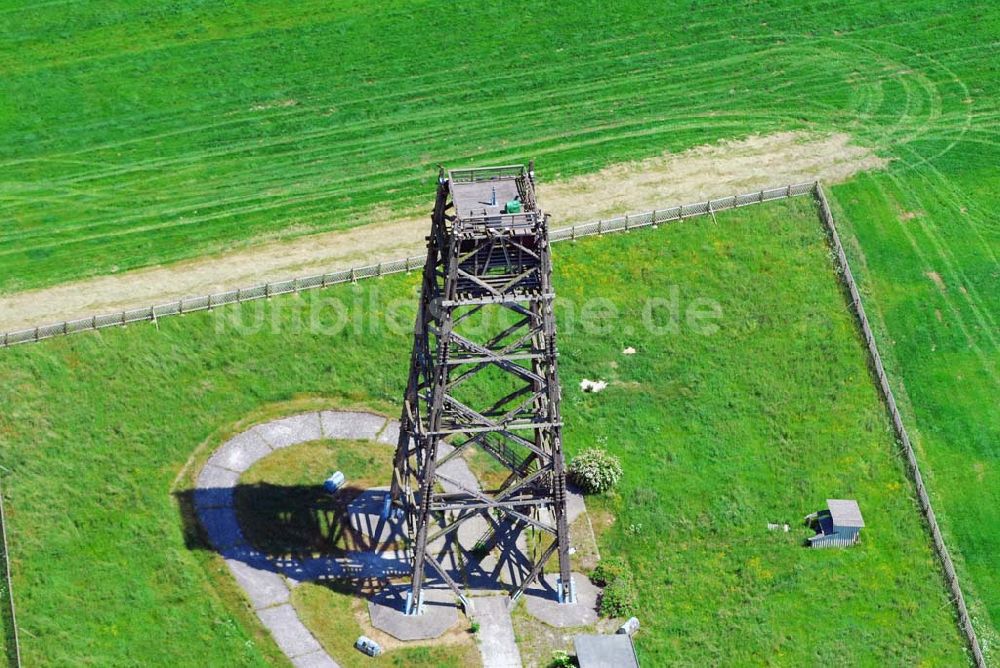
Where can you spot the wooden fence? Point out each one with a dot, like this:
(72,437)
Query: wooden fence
(265,290)
(10,616)
(897,422)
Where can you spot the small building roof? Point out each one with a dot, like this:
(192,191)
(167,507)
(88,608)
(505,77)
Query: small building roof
(593,651)
(845,513)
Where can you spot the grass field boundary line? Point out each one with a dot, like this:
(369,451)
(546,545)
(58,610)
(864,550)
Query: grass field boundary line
(15,657)
(924,501)
(624,223)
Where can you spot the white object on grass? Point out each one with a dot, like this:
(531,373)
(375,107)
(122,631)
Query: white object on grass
(592,385)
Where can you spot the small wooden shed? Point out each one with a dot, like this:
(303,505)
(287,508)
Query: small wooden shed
(838,526)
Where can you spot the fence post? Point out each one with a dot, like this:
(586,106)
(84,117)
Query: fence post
(267,290)
(652,218)
(36,335)
(626,223)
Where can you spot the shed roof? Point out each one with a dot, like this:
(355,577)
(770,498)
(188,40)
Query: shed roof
(593,651)
(845,513)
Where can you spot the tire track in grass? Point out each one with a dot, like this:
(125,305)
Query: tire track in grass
(796,56)
(969,293)
(954,311)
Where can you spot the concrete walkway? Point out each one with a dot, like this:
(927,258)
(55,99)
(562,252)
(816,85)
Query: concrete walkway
(265,579)
(496,632)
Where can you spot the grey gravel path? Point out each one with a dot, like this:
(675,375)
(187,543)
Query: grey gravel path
(266,580)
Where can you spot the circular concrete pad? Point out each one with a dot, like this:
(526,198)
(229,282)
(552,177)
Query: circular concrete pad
(387,610)
(543,603)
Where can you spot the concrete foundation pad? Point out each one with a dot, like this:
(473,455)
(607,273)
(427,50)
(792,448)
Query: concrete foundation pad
(543,603)
(291,430)
(353,426)
(388,613)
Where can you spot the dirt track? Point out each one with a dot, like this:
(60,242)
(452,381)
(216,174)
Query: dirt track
(708,171)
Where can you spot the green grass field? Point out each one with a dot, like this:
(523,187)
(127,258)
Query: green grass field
(719,434)
(140,133)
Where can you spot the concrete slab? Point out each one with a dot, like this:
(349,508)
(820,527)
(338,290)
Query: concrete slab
(388,613)
(354,426)
(318,659)
(365,515)
(240,452)
(222,528)
(288,632)
(598,651)
(496,632)
(291,430)
(263,588)
(543,603)
(214,477)
(213,497)
(390,435)
(575,505)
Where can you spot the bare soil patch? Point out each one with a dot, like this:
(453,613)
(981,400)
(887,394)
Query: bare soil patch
(714,170)
(936,277)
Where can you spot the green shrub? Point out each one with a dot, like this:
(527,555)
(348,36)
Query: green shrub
(595,471)
(608,570)
(619,598)
(561,659)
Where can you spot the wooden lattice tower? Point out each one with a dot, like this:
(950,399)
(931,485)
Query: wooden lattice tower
(483,376)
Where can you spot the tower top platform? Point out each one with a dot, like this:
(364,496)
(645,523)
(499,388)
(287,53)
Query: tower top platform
(494,197)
